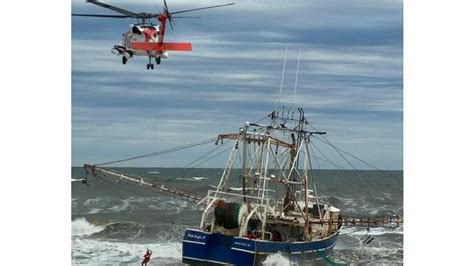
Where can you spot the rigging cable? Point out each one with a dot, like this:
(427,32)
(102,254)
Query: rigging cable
(326,141)
(191,145)
(337,150)
(315,157)
(197,162)
(337,166)
(327,159)
(382,185)
(261,119)
(325,179)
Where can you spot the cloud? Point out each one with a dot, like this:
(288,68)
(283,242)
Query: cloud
(350,79)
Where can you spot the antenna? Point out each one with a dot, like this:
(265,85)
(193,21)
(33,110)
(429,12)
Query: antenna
(282,78)
(296,79)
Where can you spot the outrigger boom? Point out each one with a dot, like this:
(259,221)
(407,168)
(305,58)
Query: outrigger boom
(95,171)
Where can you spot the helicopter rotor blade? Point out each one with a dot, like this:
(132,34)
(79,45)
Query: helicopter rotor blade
(114,8)
(166,6)
(101,16)
(129,14)
(195,9)
(168,14)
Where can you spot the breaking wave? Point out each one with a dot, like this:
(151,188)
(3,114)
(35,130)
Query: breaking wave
(81,228)
(112,231)
(375,231)
(276,260)
(97,245)
(120,230)
(95,252)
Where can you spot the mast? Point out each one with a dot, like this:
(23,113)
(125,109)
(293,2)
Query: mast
(286,202)
(296,142)
(306,218)
(244,159)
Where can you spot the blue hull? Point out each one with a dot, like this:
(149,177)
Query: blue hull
(205,248)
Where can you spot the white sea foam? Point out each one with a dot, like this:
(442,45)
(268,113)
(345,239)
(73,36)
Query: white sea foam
(95,252)
(199,177)
(276,260)
(122,207)
(94,211)
(377,231)
(98,252)
(81,227)
(374,212)
(94,201)
(194,178)
(153,172)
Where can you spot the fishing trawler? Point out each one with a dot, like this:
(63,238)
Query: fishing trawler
(277,208)
(244,228)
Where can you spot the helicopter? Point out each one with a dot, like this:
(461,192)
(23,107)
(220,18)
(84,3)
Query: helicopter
(145,38)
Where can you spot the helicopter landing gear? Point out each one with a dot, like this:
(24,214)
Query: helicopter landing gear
(158,60)
(150,64)
(124,60)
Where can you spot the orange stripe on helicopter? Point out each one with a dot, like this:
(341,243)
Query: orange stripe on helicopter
(150,46)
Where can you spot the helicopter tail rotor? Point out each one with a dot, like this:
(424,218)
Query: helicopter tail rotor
(168,15)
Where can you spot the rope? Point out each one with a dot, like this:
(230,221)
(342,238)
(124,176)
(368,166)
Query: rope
(161,152)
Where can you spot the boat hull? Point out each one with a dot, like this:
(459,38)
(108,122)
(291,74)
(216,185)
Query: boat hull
(204,248)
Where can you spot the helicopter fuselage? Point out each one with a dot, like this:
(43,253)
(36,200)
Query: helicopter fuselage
(139,33)
(145,39)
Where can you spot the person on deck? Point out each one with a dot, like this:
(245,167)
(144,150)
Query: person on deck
(146,257)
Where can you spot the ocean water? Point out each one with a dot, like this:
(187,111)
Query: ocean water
(114,223)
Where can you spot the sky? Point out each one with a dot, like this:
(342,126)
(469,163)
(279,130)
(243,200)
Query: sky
(350,81)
